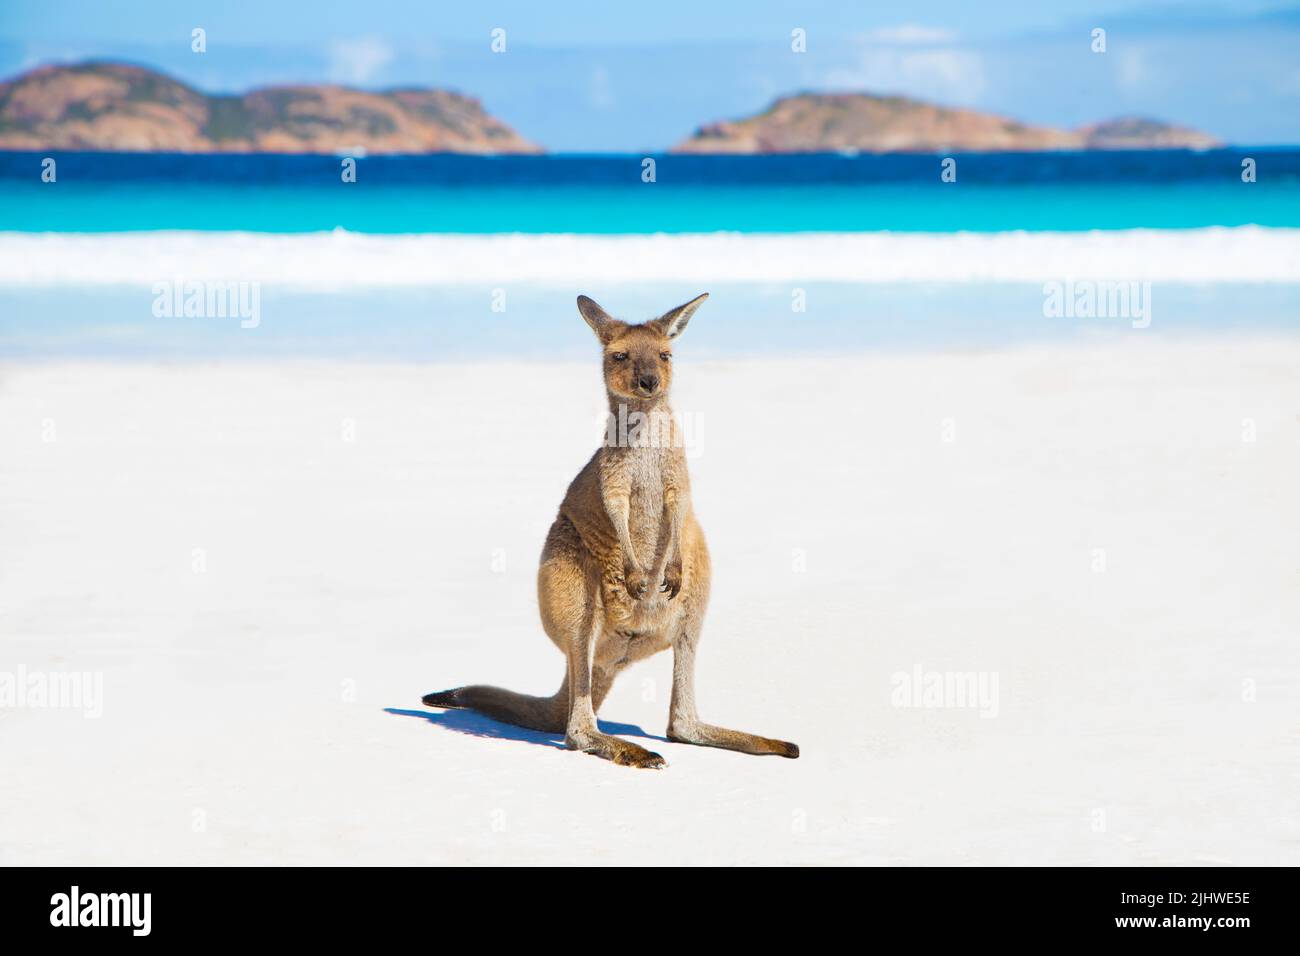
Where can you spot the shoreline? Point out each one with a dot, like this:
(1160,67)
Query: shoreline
(341,259)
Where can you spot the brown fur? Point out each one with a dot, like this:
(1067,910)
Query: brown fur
(625,570)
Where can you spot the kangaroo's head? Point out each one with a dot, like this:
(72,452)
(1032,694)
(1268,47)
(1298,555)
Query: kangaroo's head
(638,358)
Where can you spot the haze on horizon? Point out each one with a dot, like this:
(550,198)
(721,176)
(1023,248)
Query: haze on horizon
(588,77)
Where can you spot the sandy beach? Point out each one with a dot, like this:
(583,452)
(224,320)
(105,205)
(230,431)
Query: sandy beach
(267,565)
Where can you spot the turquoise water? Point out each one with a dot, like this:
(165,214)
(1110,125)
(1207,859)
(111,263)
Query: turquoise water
(74,207)
(97,192)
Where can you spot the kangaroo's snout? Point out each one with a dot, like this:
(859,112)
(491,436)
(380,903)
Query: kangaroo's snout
(647,383)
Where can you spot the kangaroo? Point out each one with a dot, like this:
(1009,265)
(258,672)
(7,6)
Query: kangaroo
(625,572)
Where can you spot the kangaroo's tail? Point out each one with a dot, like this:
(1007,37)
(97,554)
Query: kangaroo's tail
(548,714)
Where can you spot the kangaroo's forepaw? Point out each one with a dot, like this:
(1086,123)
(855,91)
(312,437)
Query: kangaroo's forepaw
(616,750)
(672,580)
(636,581)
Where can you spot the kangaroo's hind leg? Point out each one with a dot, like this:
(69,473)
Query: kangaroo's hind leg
(684,724)
(567,587)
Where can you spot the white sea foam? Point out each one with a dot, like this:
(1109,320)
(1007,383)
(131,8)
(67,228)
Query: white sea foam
(341,259)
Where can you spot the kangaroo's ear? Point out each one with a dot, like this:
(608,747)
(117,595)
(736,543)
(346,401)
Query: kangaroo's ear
(672,322)
(601,322)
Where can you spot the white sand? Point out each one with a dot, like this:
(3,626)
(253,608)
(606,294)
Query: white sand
(244,710)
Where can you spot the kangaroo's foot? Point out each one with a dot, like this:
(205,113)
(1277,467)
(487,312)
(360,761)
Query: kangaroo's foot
(706,735)
(613,748)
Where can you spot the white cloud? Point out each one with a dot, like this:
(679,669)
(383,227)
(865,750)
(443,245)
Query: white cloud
(909,34)
(600,95)
(1132,74)
(947,75)
(358,60)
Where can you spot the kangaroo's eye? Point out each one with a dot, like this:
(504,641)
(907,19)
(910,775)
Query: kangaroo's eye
(619,356)
(666,356)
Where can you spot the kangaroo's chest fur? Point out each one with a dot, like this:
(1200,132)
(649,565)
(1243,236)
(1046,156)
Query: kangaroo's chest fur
(648,473)
(646,470)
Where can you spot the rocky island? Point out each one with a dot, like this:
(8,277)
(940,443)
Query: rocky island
(862,122)
(121,107)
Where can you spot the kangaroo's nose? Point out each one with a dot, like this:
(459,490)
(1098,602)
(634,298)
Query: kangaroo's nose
(647,383)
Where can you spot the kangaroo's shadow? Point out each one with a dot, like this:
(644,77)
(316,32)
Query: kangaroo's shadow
(477,725)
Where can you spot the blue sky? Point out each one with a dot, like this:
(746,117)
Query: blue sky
(583,76)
